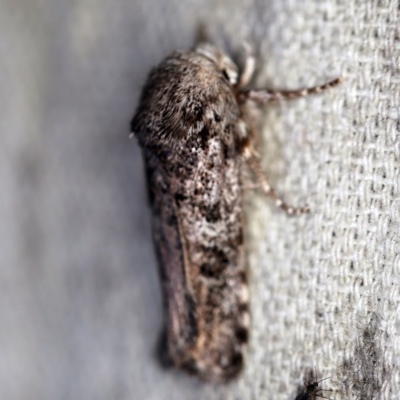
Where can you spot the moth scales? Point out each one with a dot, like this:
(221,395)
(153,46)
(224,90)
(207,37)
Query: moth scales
(196,129)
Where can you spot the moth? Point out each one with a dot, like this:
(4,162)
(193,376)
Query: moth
(196,129)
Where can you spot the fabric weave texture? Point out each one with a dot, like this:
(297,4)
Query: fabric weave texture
(80,299)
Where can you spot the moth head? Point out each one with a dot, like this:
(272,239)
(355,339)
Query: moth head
(221,60)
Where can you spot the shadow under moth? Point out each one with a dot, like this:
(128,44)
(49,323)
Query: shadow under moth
(196,127)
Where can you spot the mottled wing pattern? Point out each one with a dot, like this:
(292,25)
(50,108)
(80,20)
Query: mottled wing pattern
(187,131)
(180,324)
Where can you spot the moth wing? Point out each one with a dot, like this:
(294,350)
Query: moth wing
(180,322)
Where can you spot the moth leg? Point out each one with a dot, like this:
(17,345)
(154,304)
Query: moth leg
(268,190)
(263,96)
(249,66)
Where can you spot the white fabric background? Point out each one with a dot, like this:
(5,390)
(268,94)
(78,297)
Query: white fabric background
(80,300)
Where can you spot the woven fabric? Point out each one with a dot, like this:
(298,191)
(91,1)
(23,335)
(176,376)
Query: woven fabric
(80,299)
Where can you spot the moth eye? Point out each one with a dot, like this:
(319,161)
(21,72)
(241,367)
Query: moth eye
(226,76)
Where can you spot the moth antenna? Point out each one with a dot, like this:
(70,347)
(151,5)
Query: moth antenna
(263,96)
